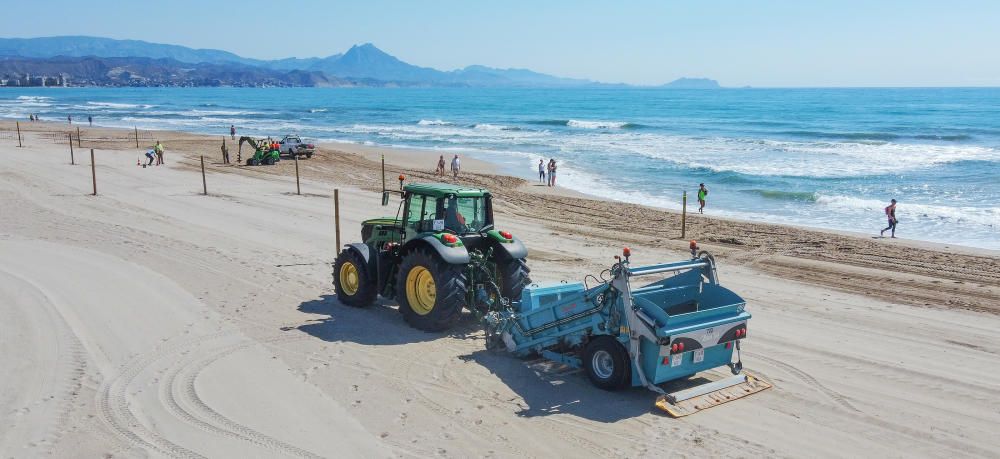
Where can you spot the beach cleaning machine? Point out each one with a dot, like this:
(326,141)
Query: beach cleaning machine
(624,336)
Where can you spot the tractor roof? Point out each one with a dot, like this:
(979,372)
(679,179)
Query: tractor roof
(440,190)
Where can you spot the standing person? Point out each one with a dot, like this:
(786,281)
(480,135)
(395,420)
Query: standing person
(890,214)
(69,118)
(702,194)
(232,131)
(456,165)
(541,171)
(440,166)
(552,172)
(90,120)
(158,148)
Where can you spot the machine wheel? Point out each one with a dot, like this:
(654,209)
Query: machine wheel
(513,278)
(252,162)
(291,152)
(606,363)
(354,284)
(309,155)
(268,161)
(430,292)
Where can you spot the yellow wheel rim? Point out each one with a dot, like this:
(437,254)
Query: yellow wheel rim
(421,291)
(349,280)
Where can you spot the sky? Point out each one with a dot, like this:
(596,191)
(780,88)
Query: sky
(739,43)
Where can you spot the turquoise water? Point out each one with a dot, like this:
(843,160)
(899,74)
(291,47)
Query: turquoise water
(829,158)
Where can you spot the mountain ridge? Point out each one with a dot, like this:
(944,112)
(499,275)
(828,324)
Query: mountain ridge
(362,64)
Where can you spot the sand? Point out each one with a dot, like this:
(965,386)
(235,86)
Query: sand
(154,321)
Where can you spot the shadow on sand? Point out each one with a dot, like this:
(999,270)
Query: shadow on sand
(544,387)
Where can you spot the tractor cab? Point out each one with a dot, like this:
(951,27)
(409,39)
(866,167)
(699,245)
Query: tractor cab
(439,255)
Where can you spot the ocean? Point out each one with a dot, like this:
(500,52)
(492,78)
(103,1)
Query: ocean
(826,158)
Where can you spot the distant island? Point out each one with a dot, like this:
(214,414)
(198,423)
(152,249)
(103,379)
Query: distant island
(96,61)
(693,83)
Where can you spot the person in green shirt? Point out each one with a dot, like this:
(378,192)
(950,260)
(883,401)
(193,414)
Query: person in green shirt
(158,148)
(702,194)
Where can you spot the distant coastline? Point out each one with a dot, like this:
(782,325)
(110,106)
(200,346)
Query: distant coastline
(104,62)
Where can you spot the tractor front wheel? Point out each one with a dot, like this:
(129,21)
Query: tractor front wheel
(355,287)
(430,291)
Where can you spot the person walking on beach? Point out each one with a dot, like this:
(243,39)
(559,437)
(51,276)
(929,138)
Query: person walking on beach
(232,131)
(158,149)
(890,214)
(552,172)
(702,194)
(541,171)
(456,166)
(440,166)
(90,120)
(69,118)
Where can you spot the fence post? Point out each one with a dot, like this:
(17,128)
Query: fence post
(684,211)
(71,161)
(136,136)
(93,171)
(78,141)
(19,134)
(336,215)
(298,189)
(204,184)
(383,172)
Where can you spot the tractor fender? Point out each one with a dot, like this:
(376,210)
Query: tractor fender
(364,251)
(453,255)
(507,249)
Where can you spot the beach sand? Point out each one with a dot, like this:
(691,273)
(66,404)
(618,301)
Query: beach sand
(152,320)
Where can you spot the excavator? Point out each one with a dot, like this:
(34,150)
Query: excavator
(263,154)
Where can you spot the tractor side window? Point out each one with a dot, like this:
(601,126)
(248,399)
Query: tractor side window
(421,213)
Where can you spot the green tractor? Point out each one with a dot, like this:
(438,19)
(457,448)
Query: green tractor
(262,155)
(440,254)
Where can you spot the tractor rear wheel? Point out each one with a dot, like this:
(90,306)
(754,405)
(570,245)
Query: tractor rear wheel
(355,286)
(430,291)
(513,278)
(607,363)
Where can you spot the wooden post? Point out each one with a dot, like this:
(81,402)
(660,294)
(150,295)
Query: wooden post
(298,189)
(19,134)
(71,161)
(225,152)
(383,172)
(78,141)
(93,171)
(204,185)
(336,216)
(136,136)
(684,211)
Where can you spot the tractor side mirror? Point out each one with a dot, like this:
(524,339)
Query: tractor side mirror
(385,198)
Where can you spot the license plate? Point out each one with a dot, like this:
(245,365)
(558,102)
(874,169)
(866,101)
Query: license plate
(675,360)
(699,356)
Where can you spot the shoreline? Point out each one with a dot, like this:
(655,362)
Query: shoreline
(417,158)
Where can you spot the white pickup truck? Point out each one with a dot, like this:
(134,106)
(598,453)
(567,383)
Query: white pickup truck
(292,145)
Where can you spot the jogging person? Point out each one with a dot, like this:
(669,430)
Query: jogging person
(702,194)
(541,171)
(890,214)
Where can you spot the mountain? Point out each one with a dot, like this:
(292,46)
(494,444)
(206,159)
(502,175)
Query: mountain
(693,83)
(80,46)
(362,65)
(144,71)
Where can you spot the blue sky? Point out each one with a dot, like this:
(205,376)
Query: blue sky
(757,43)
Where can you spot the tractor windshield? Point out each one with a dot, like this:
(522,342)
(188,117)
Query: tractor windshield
(465,215)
